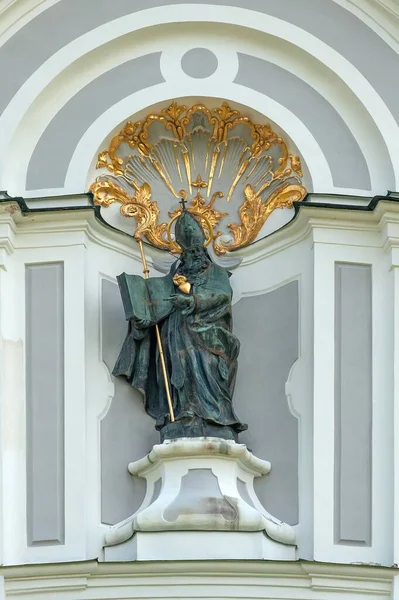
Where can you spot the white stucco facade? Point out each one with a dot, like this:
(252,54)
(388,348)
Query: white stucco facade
(315,298)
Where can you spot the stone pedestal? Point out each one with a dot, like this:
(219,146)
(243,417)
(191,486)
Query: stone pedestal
(200,504)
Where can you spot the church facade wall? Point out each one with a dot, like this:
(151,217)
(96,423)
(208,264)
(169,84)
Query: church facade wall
(315,302)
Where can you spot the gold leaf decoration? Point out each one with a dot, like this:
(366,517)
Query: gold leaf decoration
(140,206)
(253,214)
(219,152)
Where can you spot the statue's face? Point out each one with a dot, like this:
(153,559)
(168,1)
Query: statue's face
(195,259)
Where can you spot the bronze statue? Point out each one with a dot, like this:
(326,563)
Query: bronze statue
(190,311)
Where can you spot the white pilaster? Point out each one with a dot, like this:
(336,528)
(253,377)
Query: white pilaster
(13,411)
(335,243)
(392,246)
(323,402)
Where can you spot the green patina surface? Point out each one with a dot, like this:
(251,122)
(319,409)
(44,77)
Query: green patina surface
(200,348)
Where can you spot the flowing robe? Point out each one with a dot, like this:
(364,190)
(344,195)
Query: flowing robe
(200,351)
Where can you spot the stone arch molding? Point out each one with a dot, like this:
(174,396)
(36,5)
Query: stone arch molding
(17,13)
(358,105)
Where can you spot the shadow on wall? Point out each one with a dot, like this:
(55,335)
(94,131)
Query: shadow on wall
(267,326)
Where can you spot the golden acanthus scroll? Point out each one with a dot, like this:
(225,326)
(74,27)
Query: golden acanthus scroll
(196,153)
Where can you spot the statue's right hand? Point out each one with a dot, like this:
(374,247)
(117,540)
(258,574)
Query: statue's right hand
(141,323)
(182,302)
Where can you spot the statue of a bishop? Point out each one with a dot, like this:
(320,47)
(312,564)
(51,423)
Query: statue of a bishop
(192,308)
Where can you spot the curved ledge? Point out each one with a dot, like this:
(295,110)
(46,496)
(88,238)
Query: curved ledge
(200,447)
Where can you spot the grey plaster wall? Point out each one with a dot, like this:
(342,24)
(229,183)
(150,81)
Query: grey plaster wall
(353,404)
(127,432)
(345,159)
(50,159)
(66,20)
(267,326)
(199,63)
(45,404)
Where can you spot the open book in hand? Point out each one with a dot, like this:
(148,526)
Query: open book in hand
(146,299)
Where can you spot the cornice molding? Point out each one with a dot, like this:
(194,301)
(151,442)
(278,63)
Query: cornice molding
(300,575)
(237,568)
(313,217)
(68,225)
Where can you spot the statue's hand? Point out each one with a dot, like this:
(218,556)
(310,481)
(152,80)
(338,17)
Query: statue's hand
(141,323)
(183,302)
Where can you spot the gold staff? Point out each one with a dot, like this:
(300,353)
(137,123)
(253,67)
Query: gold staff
(141,208)
(137,237)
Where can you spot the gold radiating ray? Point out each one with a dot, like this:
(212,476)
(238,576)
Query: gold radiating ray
(207,153)
(264,176)
(186,159)
(177,161)
(192,153)
(248,176)
(223,160)
(164,178)
(237,179)
(215,157)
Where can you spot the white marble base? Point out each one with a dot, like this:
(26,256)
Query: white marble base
(199,545)
(200,503)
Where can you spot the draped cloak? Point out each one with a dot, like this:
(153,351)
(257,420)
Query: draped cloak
(200,349)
